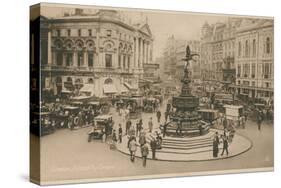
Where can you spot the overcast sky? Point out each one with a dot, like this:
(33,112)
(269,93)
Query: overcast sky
(180,24)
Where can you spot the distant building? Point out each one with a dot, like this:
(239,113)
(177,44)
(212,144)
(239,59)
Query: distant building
(174,52)
(254,58)
(206,58)
(180,54)
(98,53)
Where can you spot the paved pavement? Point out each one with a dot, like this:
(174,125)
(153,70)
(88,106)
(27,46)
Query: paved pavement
(67,155)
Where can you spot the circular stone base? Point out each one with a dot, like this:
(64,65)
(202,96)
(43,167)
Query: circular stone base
(198,148)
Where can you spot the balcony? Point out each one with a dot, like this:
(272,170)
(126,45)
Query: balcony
(57,68)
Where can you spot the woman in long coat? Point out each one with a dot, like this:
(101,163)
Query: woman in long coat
(216,145)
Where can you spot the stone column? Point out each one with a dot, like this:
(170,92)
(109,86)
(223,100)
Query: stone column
(144,51)
(121,61)
(115,62)
(148,53)
(49,48)
(75,59)
(151,52)
(141,53)
(63,59)
(126,62)
(136,61)
(54,58)
(85,62)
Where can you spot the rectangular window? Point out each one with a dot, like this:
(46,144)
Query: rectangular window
(68,32)
(238,70)
(90,32)
(59,58)
(90,59)
(108,60)
(58,33)
(80,59)
(69,61)
(79,32)
(266,70)
(253,84)
(253,70)
(108,33)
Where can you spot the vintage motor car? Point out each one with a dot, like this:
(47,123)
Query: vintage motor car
(149,105)
(103,124)
(41,124)
(61,118)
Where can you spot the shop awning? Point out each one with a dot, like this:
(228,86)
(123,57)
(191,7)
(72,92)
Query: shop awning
(109,88)
(88,88)
(128,85)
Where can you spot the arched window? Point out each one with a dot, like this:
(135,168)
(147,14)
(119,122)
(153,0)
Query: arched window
(108,81)
(78,81)
(90,81)
(239,49)
(267,45)
(69,79)
(246,48)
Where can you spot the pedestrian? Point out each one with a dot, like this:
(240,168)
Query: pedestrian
(153,146)
(179,128)
(139,127)
(133,148)
(114,136)
(103,135)
(144,153)
(164,129)
(225,145)
(200,129)
(158,114)
(128,126)
(120,133)
(132,131)
(243,121)
(259,119)
(142,139)
(224,122)
(150,125)
(166,116)
(216,145)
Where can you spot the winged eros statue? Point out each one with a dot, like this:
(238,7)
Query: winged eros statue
(188,57)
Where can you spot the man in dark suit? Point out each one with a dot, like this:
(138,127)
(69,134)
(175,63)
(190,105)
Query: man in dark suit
(153,146)
(225,145)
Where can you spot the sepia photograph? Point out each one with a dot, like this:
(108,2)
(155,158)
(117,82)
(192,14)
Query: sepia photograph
(124,94)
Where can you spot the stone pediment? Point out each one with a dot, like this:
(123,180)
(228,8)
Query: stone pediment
(145,29)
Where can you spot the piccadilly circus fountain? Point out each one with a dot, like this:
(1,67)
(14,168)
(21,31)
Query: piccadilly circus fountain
(185,120)
(186,137)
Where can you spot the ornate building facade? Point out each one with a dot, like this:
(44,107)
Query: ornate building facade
(255,58)
(99,54)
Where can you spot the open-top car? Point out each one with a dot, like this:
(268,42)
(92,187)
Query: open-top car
(103,124)
(149,104)
(62,117)
(41,124)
